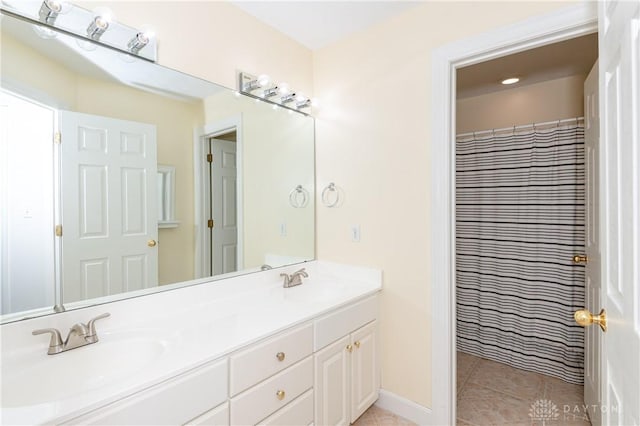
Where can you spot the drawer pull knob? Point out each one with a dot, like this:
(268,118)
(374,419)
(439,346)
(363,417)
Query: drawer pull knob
(280,356)
(357,343)
(280,395)
(349,348)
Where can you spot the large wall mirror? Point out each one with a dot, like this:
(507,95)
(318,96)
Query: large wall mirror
(157,179)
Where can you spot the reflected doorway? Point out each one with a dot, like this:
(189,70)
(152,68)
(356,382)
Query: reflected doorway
(221,186)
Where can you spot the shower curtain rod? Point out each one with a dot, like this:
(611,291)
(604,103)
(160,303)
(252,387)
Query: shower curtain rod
(522,127)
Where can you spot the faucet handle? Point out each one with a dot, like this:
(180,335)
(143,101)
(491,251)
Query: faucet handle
(91,328)
(56,338)
(301,272)
(287,278)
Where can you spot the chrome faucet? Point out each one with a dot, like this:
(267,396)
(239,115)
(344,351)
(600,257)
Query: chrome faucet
(79,335)
(294,279)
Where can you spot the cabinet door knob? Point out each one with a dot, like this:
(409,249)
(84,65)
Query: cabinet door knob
(280,356)
(280,395)
(349,348)
(357,343)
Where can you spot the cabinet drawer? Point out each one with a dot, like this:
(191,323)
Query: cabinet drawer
(260,361)
(330,328)
(260,401)
(175,401)
(299,412)
(219,416)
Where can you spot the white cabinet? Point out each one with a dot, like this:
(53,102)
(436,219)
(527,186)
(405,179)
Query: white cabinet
(346,377)
(364,370)
(323,371)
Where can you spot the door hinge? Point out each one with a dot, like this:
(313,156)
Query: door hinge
(57,138)
(58,230)
(209,158)
(210,223)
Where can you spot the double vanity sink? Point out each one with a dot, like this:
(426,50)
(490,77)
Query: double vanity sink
(149,340)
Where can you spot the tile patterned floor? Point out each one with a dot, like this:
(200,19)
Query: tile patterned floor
(491,393)
(376,416)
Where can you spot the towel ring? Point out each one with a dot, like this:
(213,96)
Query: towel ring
(326,195)
(299,197)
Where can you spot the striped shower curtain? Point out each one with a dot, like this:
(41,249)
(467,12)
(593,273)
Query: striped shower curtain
(519,222)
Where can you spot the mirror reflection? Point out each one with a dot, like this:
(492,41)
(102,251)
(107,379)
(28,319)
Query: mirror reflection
(120,177)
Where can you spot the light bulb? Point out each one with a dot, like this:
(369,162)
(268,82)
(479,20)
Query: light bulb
(511,80)
(283,88)
(98,26)
(263,80)
(301,98)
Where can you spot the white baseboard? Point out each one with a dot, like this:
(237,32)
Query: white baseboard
(403,407)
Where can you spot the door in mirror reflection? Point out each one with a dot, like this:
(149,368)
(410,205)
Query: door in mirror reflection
(109,206)
(26,210)
(222,184)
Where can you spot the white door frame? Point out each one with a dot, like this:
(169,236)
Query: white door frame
(562,25)
(199,138)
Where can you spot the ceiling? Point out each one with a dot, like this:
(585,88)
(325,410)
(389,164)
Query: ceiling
(316,24)
(570,57)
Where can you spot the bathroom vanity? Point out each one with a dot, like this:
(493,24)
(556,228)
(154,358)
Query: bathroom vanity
(239,351)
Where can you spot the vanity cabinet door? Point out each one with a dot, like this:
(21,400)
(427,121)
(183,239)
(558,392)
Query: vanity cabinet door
(346,377)
(364,370)
(332,385)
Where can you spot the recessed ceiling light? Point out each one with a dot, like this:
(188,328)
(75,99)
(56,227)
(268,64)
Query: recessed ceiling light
(511,80)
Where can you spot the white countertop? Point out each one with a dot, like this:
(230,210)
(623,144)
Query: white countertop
(153,338)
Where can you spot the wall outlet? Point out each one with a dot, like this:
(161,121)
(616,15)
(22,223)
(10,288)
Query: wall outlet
(283,229)
(355,233)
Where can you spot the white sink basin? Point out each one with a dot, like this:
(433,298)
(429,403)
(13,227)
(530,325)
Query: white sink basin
(31,378)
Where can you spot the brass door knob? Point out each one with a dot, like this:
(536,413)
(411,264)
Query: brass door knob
(151,243)
(580,258)
(280,356)
(280,394)
(357,343)
(585,318)
(349,348)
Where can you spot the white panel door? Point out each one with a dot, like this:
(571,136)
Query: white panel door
(109,206)
(592,342)
(364,371)
(331,384)
(619,30)
(225,212)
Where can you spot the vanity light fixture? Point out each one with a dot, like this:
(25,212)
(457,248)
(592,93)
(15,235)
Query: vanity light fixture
(90,27)
(98,26)
(510,80)
(49,11)
(139,41)
(259,82)
(279,95)
(270,92)
(288,98)
(303,104)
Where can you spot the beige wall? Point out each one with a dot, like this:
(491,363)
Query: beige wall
(373,138)
(536,103)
